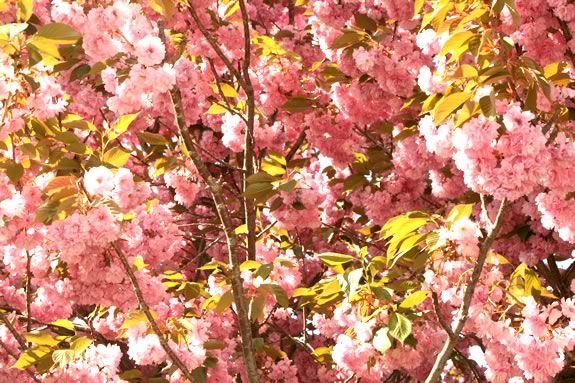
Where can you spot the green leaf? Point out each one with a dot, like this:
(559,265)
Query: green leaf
(226,90)
(41,339)
(64,323)
(249,265)
(418,6)
(224,302)
(288,186)
(153,138)
(116,157)
(216,108)
(414,299)
(63,357)
(349,37)
(298,104)
(272,168)
(165,8)
(258,190)
(399,327)
(447,105)
(80,72)
(456,41)
(135,318)
(162,165)
(487,106)
(31,357)
(14,171)
(58,33)
(73,121)
(121,125)
(365,22)
(280,295)
(277,158)
(402,225)
(25,8)
(80,344)
(260,177)
(200,374)
(460,211)
(334,259)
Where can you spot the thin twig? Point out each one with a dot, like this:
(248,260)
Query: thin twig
(28,292)
(295,147)
(440,318)
(21,341)
(9,352)
(557,275)
(266,229)
(484,210)
(214,44)
(470,365)
(449,345)
(146,309)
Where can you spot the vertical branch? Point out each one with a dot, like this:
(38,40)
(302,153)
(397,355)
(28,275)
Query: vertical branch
(214,44)
(244,81)
(28,293)
(449,345)
(291,11)
(248,166)
(144,307)
(232,243)
(568,37)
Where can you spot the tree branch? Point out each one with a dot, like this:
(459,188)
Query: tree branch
(9,352)
(144,307)
(231,240)
(249,142)
(440,318)
(297,144)
(28,292)
(449,345)
(21,341)
(214,44)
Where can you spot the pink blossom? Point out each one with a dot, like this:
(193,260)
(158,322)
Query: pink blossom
(99,180)
(150,50)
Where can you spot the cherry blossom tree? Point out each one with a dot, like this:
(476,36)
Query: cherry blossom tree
(287,191)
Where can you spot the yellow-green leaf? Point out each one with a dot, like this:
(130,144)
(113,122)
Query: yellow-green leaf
(399,327)
(249,265)
(348,38)
(153,138)
(165,8)
(31,356)
(25,8)
(121,125)
(414,299)
(447,105)
(58,33)
(80,344)
(455,42)
(226,90)
(116,157)
(216,108)
(224,302)
(41,339)
(460,211)
(63,357)
(64,323)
